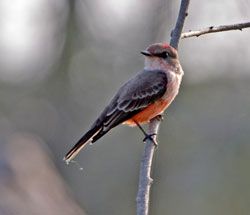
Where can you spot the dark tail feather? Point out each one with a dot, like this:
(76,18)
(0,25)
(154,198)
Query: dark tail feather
(97,131)
(81,143)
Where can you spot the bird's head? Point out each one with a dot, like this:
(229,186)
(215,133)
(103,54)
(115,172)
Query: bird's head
(161,56)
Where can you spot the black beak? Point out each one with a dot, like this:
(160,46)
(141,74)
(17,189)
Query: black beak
(146,53)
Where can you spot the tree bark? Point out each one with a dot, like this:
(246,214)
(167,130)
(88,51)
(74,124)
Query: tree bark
(145,180)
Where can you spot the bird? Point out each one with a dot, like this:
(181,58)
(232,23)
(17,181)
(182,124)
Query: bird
(140,99)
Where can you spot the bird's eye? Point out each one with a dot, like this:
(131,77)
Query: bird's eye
(163,55)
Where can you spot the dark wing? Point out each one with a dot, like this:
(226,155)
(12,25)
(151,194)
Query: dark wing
(142,90)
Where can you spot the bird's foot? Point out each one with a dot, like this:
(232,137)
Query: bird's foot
(150,137)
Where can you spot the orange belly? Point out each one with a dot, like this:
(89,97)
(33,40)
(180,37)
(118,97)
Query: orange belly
(149,112)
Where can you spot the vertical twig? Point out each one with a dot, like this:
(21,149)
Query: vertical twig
(176,33)
(145,180)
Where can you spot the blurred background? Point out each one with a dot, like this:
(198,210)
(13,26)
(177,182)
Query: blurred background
(60,63)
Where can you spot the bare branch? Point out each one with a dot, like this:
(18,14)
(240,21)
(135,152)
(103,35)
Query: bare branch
(145,180)
(214,29)
(176,33)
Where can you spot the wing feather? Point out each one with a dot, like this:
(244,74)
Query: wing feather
(142,90)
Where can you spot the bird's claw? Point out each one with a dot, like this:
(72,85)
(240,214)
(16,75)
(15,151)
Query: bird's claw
(150,137)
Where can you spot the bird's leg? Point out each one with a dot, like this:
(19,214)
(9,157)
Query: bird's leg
(150,136)
(147,136)
(160,117)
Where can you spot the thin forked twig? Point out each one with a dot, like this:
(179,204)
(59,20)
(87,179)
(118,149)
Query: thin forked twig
(214,29)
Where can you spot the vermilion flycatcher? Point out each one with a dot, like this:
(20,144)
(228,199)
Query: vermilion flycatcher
(140,99)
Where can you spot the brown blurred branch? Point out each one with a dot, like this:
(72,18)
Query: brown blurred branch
(145,180)
(214,29)
(32,185)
